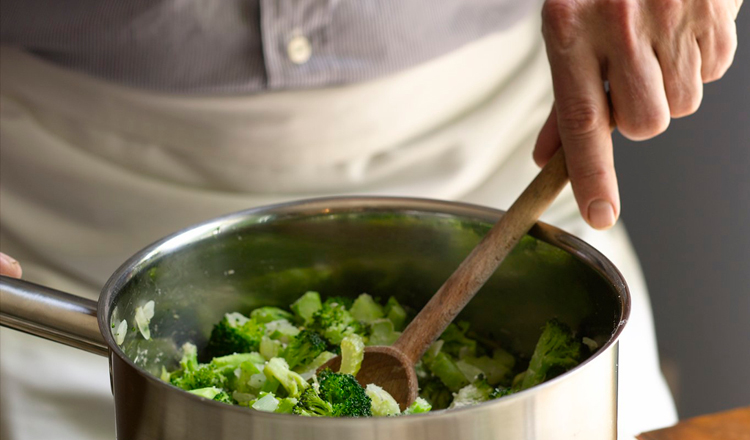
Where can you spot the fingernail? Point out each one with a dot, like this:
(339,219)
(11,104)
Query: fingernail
(601,214)
(9,266)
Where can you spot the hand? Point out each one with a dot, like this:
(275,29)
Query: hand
(656,56)
(9,267)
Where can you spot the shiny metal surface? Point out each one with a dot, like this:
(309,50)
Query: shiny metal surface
(346,246)
(51,314)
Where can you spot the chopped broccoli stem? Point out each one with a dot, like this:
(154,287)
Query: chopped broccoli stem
(267,402)
(306,306)
(396,314)
(292,382)
(419,406)
(445,368)
(268,314)
(383,404)
(365,309)
(352,354)
(382,333)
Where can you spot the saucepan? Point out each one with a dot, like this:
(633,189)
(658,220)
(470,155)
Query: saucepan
(341,246)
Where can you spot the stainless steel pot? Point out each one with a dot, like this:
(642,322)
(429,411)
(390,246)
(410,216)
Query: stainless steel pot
(342,246)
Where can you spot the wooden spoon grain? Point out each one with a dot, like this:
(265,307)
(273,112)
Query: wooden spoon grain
(392,368)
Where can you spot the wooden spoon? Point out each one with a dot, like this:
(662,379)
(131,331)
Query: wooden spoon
(392,368)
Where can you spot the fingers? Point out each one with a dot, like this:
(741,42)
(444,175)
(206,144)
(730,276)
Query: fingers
(683,81)
(582,117)
(717,49)
(9,267)
(548,140)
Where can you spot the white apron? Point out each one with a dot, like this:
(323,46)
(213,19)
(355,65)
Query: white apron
(92,172)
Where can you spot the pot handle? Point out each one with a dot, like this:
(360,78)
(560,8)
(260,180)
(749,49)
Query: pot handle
(51,314)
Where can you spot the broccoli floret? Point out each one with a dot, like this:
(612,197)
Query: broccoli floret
(306,306)
(202,377)
(419,406)
(304,348)
(334,322)
(268,314)
(477,392)
(352,354)
(235,334)
(499,392)
(556,352)
(340,300)
(213,393)
(383,404)
(435,393)
(395,313)
(292,382)
(345,394)
(191,375)
(365,309)
(311,404)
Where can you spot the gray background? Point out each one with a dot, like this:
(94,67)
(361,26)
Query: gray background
(686,204)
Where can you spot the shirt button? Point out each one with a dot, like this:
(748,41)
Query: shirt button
(299,50)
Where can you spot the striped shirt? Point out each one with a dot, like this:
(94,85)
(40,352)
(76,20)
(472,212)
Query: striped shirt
(248,46)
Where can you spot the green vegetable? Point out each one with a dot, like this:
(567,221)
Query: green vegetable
(334,322)
(365,309)
(345,394)
(419,406)
(395,313)
(213,393)
(306,306)
(304,348)
(382,333)
(267,402)
(383,404)
(312,405)
(235,333)
(556,352)
(352,353)
(292,382)
(269,360)
(471,394)
(446,369)
(269,313)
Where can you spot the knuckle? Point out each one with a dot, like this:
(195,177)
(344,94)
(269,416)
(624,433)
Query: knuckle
(647,124)
(668,15)
(588,172)
(579,118)
(560,22)
(621,16)
(685,103)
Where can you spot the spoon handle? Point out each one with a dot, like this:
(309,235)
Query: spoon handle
(482,262)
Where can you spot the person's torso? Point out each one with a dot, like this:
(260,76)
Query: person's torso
(248,46)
